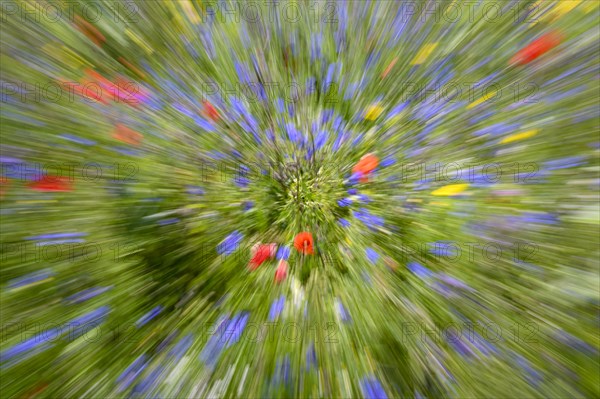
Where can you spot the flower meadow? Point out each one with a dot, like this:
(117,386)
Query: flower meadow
(328,199)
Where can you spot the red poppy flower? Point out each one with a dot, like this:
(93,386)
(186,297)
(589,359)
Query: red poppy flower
(261,253)
(51,184)
(88,87)
(365,166)
(537,48)
(389,67)
(35,391)
(91,91)
(304,243)
(132,67)
(4,183)
(97,78)
(281,272)
(90,31)
(126,91)
(127,135)
(210,111)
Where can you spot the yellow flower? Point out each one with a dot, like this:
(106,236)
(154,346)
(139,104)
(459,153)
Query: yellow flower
(136,39)
(191,12)
(519,136)
(424,53)
(561,8)
(477,102)
(373,112)
(450,190)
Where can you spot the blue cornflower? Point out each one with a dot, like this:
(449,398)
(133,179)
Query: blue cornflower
(441,248)
(387,162)
(31,278)
(131,373)
(194,190)
(343,313)
(420,270)
(355,177)
(237,106)
(56,235)
(344,222)
(236,327)
(150,381)
(462,348)
(350,90)
(90,293)
(368,219)
(283,252)
(396,110)
(204,124)
(241,181)
(236,154)
(341,137)
(182,346)
(60,242)
(95,314)
(276,308)
(280,105)
(311,85)
(533,376)
(372,389)
(230,243)
(293,133)
(148,316)
(372,255)
(184,110)
(321,139)
(270,135)
(311,356)
(315,48)
(30,344)
(337,123)
(137,364)
(344,202)
(539,218)
(326,116)
(77,139)
(164,222)
(214,345)
(357,139)
(364,198)
(282,371)
(575,342)
(329,78)
(242,72)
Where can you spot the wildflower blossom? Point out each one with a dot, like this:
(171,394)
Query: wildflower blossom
(372,255)
(230,243)
(127,135)
(537,48)
(52,184)
(261,253)
(283,252)
(366,166)
(276,308)
(210,111)
(304,243)
(281,272)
